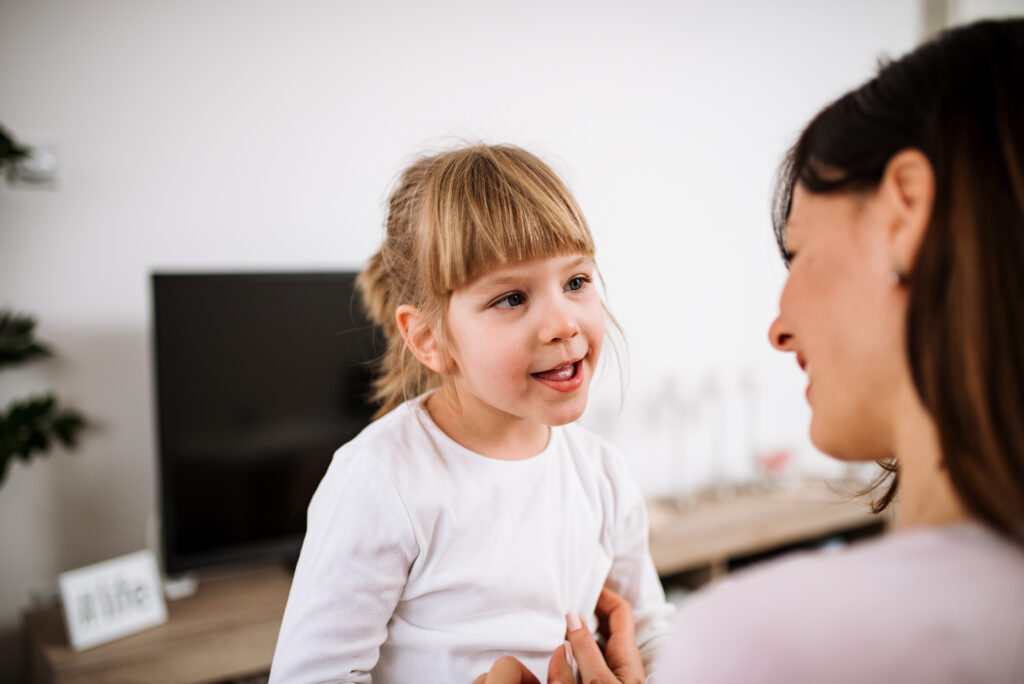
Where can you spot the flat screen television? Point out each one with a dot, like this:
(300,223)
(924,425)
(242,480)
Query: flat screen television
(259,378)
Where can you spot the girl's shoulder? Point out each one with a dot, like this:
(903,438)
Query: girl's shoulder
(580,440)
(390,445)
(600,466)
(398,425)
(590,452)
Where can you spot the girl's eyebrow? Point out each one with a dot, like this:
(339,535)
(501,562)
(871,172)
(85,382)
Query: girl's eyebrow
(489,282)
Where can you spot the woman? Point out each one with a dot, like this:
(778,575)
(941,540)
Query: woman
(900,214)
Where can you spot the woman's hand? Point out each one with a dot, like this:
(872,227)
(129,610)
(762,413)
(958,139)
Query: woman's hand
(508,670)
(619,664)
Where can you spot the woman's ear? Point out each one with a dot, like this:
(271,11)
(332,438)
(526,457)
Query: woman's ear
(908,186)
(419,336)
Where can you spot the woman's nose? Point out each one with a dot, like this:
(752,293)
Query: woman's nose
(779,335)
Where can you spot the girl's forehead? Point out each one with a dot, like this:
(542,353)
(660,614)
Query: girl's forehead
(500,273)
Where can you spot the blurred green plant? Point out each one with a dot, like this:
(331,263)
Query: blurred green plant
(30,426)
(10,153)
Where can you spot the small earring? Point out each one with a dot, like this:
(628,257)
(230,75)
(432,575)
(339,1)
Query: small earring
(895,278)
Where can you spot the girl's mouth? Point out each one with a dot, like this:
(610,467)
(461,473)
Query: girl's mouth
(563,378)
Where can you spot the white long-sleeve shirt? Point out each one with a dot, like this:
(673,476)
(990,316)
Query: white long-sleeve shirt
(424,561)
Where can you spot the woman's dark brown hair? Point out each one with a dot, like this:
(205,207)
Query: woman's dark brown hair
(959,99)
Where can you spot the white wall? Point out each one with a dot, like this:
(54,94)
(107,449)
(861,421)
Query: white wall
(248,135)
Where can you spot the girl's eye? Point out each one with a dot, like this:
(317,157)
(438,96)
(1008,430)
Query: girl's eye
(510,301)
(577,283)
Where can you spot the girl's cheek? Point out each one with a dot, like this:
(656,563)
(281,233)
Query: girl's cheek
(598,330)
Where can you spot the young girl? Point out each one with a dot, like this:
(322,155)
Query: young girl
(457,527)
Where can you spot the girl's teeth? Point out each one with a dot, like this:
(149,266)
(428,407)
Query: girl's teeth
(561,373)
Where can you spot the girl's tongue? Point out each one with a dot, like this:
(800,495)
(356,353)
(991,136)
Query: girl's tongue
(560,373)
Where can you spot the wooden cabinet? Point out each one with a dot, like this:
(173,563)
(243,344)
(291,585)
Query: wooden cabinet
(226,631)
(702,541)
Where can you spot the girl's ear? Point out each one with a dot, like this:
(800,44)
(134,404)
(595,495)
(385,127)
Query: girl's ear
(908,184)
(419,336)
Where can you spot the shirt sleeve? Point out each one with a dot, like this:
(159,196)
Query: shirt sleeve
(355,559)
(633,575)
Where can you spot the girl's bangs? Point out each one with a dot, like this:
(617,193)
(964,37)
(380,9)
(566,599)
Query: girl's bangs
(493,216)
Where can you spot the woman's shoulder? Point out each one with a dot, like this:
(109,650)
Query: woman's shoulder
(942,590)
(901,567)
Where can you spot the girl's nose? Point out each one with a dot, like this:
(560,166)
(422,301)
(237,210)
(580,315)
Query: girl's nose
(559,324)
(779,335)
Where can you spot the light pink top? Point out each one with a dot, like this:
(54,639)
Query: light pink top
(937,605)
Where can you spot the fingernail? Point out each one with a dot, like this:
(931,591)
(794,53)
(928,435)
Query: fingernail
(573,622)
(568,653)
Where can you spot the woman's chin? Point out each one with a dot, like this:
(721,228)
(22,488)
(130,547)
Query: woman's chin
(826,440)
(843,445)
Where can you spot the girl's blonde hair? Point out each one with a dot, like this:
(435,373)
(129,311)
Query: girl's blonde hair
(451,217)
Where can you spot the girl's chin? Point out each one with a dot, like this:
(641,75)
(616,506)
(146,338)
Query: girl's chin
(567,415)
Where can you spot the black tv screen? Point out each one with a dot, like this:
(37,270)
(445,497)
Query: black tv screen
(259,379)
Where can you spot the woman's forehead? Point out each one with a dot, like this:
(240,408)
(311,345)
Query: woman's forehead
(797,210)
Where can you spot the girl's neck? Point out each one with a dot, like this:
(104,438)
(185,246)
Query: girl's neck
(927,497)
(485,430)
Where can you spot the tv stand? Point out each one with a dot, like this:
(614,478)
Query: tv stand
(226,631)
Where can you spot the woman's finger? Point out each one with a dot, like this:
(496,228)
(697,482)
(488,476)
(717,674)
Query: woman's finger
(586,651)
(615,614)
(560,666)
(619,630)
(507,670)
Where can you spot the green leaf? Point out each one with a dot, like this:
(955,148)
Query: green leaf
(29,426)
(17,343)
(10,151)
(66,426)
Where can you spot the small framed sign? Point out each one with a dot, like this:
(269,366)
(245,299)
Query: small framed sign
(112,599)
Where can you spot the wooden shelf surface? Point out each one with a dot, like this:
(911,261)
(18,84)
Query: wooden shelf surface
(710,533)
(227,629)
